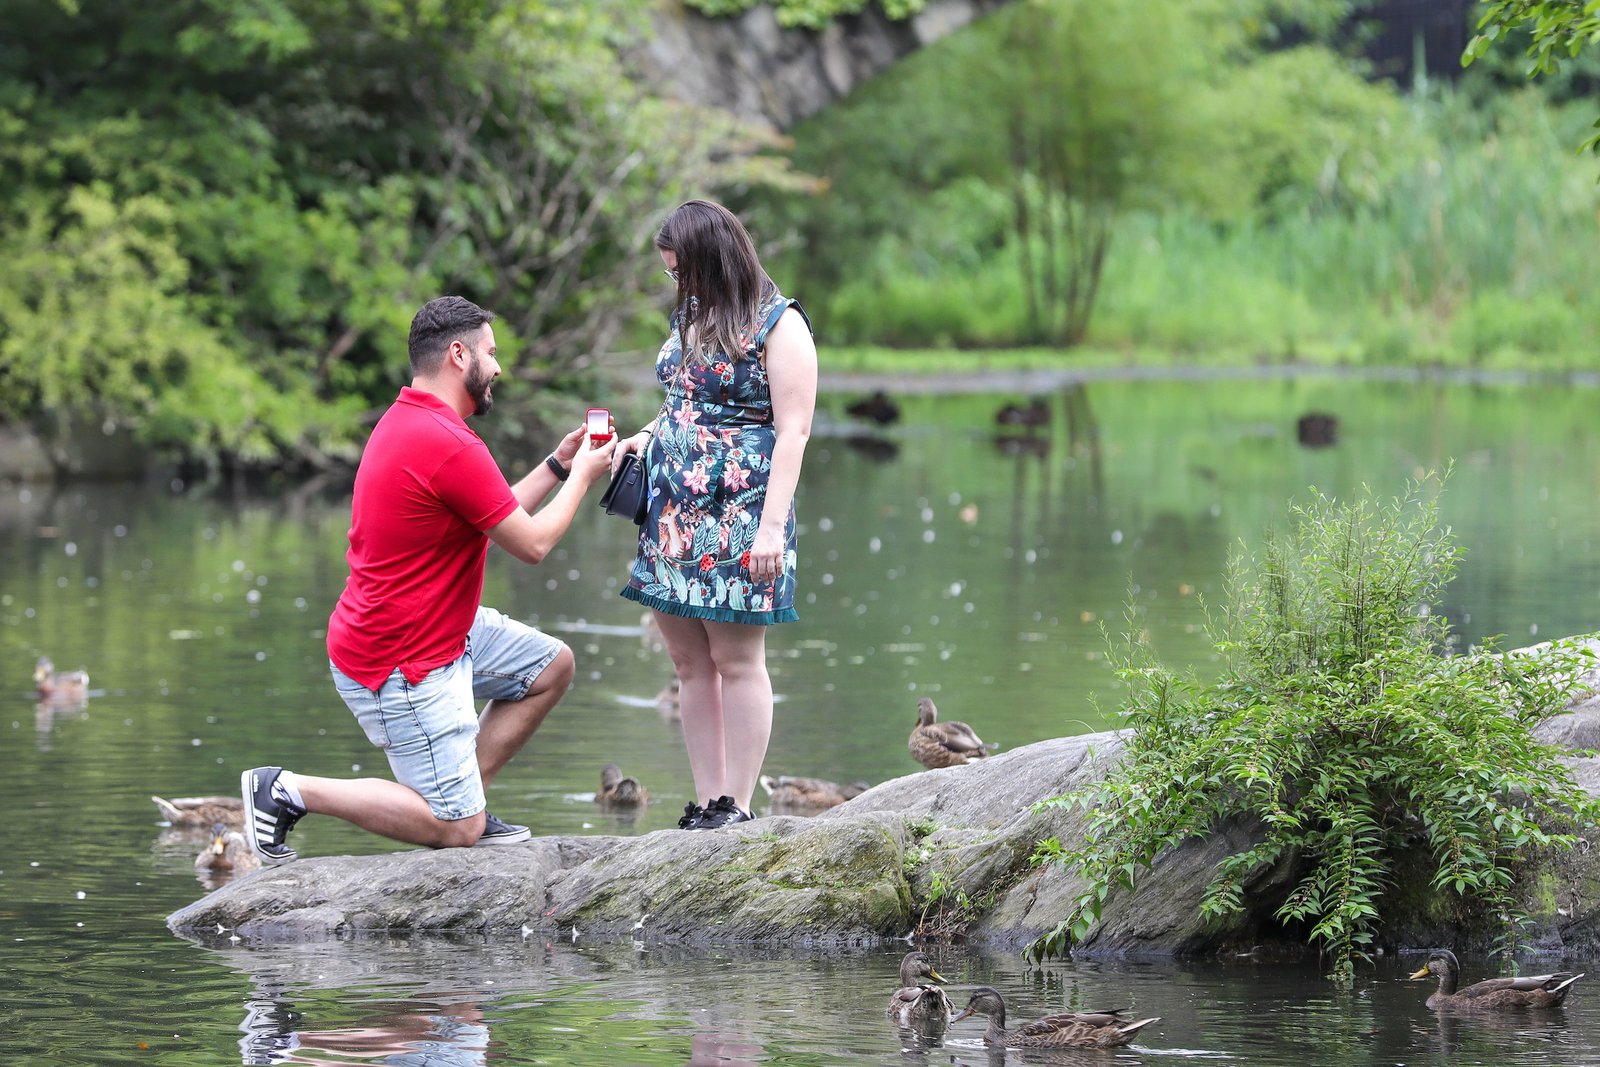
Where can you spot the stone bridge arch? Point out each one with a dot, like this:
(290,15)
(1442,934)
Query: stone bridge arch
(766,73)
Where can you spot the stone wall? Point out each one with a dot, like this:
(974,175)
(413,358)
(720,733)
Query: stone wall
(775,76)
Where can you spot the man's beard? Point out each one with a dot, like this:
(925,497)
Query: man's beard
(478,383)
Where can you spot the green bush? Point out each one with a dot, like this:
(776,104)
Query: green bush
(1343,727)
(1539,323)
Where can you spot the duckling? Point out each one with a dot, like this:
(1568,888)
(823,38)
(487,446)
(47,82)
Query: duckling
(793,793)
(1068,1029)
(202,811)
(943,744)
(617,791)
(52,684)
(878,408)
(1494,994)
(228,852)
(919,1003)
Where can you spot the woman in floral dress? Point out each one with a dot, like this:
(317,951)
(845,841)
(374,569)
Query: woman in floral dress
(716,559)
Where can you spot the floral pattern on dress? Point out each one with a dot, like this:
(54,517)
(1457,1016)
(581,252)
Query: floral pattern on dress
(708,464)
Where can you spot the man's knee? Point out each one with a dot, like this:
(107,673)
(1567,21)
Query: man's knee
(557,677)
(461,833)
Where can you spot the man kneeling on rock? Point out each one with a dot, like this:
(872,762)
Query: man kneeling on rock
(411,648)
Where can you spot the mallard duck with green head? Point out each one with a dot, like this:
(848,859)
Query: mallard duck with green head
(1494,994)
(1067,1029)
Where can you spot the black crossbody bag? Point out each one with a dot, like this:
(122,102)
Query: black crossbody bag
(627,494)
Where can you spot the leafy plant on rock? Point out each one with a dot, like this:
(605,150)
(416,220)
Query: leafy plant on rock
(1343,728)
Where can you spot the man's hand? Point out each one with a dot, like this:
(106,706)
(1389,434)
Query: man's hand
(590,463)
(569,447)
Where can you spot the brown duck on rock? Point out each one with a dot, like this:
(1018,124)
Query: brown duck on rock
(1068,1029)
(943,744)
(793,793)
(1495,994)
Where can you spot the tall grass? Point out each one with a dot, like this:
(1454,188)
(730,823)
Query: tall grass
(1482,252)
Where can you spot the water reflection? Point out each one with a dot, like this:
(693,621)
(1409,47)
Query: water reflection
(1460,1037)
(708,1048)
(875,447)
(47,713)
(948,571)
(379,1001)
(411,1033)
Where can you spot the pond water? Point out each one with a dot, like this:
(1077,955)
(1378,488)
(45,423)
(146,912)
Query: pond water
(935,561)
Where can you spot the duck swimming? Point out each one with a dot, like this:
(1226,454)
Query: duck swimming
(878,407)
(228,853)
(202,812)
(916,1002)
(1068,1029)
(619,791)
(52,684)
(1494,994)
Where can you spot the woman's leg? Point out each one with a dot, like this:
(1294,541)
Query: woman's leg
(699,702)
(740,653)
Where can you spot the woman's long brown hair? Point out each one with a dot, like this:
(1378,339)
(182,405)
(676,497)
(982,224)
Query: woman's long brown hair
(721,283)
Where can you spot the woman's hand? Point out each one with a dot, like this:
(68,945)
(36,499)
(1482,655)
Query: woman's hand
(766,555)
(637,443)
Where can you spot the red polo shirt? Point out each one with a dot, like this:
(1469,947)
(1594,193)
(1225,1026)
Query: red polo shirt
(426,491)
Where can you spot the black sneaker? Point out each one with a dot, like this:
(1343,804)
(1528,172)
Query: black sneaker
(691,815)
(722,812)
(496,832)
(267,819)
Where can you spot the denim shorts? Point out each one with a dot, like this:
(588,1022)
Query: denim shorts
(429,730)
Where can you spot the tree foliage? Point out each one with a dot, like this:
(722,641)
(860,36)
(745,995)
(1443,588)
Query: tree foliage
(1342,729)
(1074,114)
(811,14)
(217,217)
(1555,32)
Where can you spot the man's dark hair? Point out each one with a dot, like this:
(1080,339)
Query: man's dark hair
(440,321)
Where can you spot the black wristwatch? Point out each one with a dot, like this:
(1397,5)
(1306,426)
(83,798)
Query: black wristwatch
(556,468)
